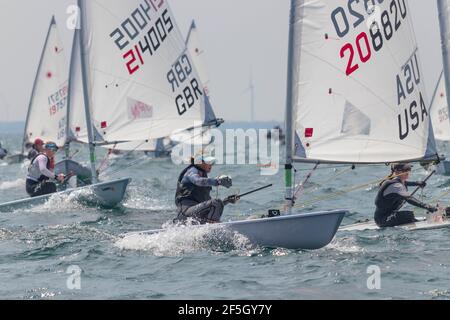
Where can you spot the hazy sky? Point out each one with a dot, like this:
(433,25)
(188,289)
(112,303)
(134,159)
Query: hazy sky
(238,36)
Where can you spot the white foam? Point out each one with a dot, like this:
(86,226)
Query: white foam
(437,293)
(59,203)
(345,245)
(19,183)
(178,240)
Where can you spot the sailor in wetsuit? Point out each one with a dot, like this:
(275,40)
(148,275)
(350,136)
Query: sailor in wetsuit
(392,196)
(193,198)
(40,173)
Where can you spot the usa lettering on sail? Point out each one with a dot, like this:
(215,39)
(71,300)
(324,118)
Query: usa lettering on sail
(410,99)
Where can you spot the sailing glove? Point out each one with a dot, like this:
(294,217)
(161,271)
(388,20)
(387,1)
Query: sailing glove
(422,184)
(225,181)
(231,199)
(447,212)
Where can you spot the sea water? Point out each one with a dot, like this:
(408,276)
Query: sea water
(68,250)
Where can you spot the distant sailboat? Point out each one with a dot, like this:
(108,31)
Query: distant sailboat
(48,117)
(47,109)
(441,101)
(441,120)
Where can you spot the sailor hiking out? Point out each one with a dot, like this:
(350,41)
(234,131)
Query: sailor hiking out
(40,175)
(193,198)
(393,194)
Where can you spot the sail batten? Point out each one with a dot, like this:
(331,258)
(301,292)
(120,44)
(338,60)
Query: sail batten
(359,94)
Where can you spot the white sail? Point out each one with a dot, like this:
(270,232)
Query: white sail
(440,112)
(197,52)
(48,104)
(77,115)
(142,81)
(359,90)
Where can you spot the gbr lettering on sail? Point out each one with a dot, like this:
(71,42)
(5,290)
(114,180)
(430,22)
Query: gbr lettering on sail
(380,26)
(142,35)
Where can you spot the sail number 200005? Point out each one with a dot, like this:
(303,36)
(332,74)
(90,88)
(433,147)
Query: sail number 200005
(382,27)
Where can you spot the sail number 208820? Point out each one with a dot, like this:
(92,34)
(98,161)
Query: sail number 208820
(382,28)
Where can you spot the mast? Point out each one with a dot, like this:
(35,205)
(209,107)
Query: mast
(52,23)
(445,37)
(191,29)
(292,77)
(84,71)
(71,68)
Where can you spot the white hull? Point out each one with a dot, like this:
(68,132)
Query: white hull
(108,194)
(299,231)
(421,225)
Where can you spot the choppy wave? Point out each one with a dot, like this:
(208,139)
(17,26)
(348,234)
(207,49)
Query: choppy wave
(139,197)
(345,245)
(51,237)
(180,240)
(60,203)
(16,184)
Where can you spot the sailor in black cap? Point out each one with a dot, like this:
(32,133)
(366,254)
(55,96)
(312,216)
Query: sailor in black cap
(392,196)
(193,198)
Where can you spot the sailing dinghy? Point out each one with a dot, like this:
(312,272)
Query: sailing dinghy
(47,119)
(294,229)
(355,96)
(48,102)
(440,102)
(439,115)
